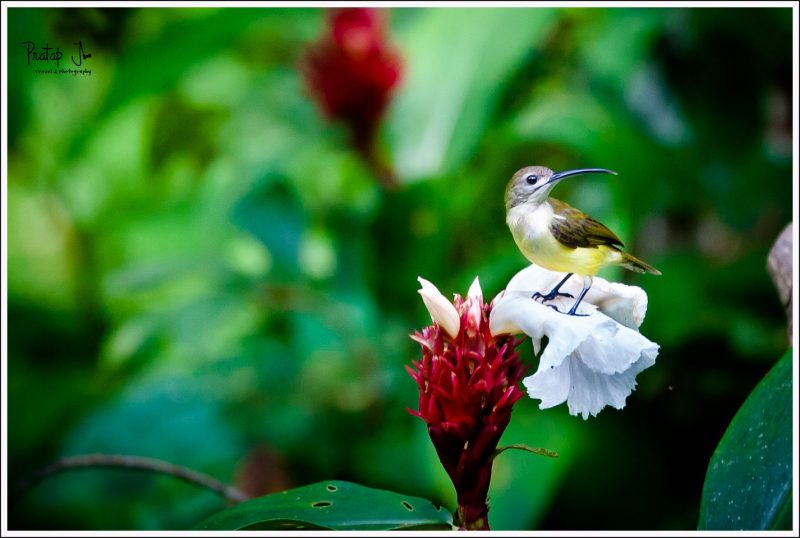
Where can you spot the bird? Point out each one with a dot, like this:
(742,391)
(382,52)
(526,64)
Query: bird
(554,235)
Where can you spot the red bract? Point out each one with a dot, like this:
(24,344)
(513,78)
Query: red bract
(467,388)
(351,71)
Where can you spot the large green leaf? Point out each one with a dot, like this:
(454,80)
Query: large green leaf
(331,505)
(749,480)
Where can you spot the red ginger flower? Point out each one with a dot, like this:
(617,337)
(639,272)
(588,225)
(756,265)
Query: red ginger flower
(468,382)
(351,73)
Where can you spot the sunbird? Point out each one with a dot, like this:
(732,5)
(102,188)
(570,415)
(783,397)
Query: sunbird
(556,236)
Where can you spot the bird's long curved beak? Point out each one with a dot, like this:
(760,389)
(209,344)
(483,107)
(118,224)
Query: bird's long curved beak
(567,173)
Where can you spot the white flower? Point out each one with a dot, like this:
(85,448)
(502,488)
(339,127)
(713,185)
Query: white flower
(441,310)
(590,361)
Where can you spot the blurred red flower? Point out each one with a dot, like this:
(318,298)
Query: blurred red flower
(351,72)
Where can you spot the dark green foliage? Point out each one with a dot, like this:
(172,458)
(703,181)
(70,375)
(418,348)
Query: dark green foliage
(749,480)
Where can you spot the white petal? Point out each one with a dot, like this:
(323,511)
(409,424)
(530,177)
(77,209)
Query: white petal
(441,310)
(610,352)
(475,292)
(550,385)
(537,345)
(625,304)
(512,311)
(590,391)
(474,305)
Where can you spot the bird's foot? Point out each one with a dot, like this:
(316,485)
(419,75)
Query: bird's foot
(570,313)
(550,296)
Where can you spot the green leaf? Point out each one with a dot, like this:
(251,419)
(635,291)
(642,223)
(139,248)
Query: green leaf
(749,480)
(453,83)
(331,505)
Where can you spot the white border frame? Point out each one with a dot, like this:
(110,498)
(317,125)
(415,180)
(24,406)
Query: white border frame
(476,4)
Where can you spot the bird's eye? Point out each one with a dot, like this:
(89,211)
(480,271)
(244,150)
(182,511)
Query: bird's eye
(532,179)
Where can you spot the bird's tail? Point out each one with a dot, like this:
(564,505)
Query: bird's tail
(635,264)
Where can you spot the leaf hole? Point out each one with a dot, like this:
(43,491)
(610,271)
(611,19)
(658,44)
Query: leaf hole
(321,504)
(407,506)
(331,487)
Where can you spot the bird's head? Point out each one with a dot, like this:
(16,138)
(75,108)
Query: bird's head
(532,184)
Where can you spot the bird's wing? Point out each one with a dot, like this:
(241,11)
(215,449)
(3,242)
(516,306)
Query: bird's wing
(574,228)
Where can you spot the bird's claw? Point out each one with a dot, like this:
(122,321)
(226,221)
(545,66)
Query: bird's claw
(550,296)
(570,313)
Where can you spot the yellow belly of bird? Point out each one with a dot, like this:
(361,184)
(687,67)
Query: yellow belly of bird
(547,252)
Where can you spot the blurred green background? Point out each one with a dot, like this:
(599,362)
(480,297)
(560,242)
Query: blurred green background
(201,269)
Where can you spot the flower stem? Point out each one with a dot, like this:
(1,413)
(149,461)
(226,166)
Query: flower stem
(473,517)
(472,491)
(367,147)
